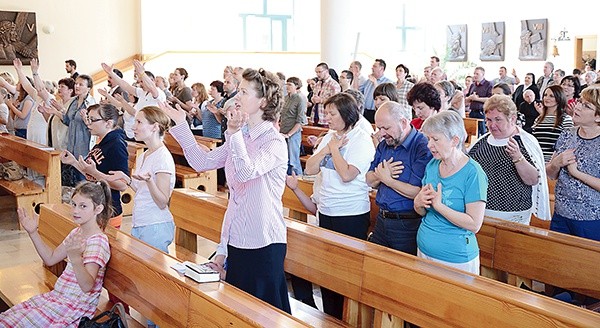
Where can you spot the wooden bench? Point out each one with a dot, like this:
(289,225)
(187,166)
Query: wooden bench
(472,128)
(186,176)
(520,250)
(187,231)
(298,212)
(141,276)
(26,193)
(380,283)
(560,260)
(135,151)
(307,131)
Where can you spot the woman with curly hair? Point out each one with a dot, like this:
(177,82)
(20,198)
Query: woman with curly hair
(253,237)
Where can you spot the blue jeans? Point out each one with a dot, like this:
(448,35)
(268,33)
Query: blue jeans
(293,144)
(585,229)
(159,235)
(399,234)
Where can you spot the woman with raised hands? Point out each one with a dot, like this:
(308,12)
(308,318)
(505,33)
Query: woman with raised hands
(253,237)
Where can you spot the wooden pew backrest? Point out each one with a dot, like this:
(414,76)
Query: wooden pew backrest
(142,276)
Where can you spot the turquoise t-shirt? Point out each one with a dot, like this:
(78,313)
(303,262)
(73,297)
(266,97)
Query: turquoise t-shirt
(439,238)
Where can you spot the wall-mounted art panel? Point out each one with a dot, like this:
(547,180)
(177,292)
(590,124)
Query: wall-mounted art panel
(534,39)
(492,41)
(456,36)
(18,37)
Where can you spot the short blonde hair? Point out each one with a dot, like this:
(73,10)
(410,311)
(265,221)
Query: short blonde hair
(502,104)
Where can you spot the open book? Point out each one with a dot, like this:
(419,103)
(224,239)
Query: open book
(200,272)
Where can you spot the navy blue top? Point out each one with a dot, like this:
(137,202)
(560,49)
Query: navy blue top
(111,155)
(415,155)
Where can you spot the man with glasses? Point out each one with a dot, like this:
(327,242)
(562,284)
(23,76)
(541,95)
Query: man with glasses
(325,88)
(375,79)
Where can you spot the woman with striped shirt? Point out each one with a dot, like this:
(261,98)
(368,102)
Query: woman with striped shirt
(253,236)
(552,120)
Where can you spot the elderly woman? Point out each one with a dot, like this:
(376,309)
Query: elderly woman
(514,164)
(528,84)
(343,158)
(254,155)
(425,100)
(553,119)
(575,163)
(451,99)
(453,197)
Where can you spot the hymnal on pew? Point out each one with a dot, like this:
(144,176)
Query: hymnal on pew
(200,272)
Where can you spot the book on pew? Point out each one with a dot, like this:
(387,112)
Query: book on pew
(200,272)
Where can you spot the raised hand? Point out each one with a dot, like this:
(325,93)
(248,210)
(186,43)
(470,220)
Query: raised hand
(75,245)
(107,69)
(177,114)
(117,175)
(103,92)
(139,67)
(87,166)
(30,224)
(34,65)
(18,64)
(67,158)
(84,116)
(513,150)
(235,120)
(539,107)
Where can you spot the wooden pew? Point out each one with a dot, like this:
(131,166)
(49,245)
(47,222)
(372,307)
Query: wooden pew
(135,151)
(520,250)
(547,256)
(472,128)
(391,283)
(141,276)
(188,177)
(187,232)
(307,131)
(297,210)
(39,158)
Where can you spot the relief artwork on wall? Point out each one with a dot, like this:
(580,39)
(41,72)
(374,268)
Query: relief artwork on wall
(534,39)
(456,37)
(18,37)
(492,41)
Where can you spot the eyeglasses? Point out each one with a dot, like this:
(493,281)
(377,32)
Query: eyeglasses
(584,105)
(94,120)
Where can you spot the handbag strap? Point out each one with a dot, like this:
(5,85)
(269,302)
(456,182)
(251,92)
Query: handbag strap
(118,307)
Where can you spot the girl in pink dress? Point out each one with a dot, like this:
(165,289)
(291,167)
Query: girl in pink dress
(78,288)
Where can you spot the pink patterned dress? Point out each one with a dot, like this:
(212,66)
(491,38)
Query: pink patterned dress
(67,303)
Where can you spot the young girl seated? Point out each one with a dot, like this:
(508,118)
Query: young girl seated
(77,290)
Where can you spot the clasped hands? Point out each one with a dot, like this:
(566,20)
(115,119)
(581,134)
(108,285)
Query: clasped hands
(388,170)
(429,197)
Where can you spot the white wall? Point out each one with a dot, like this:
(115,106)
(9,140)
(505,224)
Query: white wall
(110,30)
(84,30)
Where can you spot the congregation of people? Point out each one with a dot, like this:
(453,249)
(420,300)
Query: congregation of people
(405,139)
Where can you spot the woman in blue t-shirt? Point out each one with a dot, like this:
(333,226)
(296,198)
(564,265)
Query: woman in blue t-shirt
(453,196)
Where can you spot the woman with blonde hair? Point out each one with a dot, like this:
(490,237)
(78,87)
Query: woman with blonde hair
(514,164)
